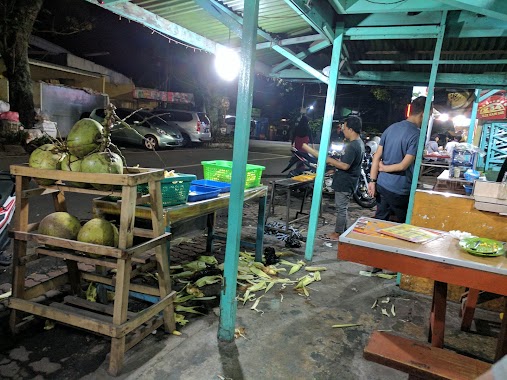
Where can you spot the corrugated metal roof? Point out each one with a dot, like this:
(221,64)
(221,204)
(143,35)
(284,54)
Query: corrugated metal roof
(281,21)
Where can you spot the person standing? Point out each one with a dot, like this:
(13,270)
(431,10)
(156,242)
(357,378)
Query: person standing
(302,132)
(347,172)
(393,165)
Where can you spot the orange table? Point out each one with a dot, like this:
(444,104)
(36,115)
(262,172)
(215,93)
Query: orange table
(440,260)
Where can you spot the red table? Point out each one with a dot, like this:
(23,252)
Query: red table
(440,260)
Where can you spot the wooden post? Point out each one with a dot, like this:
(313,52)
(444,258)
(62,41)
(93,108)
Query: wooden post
(18,266)
(437,317)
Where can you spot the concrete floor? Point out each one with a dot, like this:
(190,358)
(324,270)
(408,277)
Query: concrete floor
(292,339)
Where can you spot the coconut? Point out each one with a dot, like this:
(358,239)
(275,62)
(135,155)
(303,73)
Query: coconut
(72,163)
(45,157)
(103,162)
(84,137)
(61,225)
(99,231)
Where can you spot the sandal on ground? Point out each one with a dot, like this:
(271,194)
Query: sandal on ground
(326,237)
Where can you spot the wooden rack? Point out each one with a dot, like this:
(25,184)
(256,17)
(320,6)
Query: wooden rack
(125,327)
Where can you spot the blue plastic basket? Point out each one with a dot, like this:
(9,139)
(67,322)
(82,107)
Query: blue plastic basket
(174,189)
(200,193)
(223,186)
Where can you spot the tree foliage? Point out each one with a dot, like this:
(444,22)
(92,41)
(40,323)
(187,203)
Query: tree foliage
(16,23)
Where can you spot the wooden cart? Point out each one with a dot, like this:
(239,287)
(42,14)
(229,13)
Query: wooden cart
(125,328)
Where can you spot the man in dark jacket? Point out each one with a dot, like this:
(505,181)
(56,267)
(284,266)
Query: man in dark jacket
(347,172)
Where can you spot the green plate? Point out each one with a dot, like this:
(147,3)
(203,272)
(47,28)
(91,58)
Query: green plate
(482,247)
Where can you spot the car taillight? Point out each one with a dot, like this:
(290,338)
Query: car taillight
(198,127)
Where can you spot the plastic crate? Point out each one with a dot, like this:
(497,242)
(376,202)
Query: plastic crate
(200,193)
(174,189)
(223,186)
(220,170)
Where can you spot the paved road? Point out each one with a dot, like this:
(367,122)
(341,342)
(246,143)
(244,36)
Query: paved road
(271,154)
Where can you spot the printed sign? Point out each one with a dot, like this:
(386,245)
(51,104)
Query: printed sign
(493,108)
(163,96)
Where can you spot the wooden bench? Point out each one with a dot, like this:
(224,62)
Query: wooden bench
(420,360)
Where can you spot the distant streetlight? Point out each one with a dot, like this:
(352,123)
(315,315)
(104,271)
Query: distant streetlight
(227,64)
(310,108)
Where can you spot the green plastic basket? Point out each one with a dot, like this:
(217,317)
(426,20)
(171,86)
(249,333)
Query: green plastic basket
(174,189)
(220,170)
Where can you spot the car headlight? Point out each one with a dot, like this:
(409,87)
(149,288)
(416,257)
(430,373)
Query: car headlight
(161,131)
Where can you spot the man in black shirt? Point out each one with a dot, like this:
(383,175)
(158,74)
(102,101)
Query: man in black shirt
(347,172)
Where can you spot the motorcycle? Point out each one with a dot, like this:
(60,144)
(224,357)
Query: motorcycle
(7,206)
(308,163)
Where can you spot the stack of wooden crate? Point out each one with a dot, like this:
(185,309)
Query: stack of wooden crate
(125,327)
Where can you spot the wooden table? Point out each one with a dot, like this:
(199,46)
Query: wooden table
(428,165)
(183,213)
(450,184)
(440,260)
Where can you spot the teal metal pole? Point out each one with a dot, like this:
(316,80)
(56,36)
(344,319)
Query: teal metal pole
(473,116)
(324,143)
(426,118)
(228,303)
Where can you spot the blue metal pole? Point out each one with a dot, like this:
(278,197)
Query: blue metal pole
(426,117)
(324,142)
(228,304)
(473,116)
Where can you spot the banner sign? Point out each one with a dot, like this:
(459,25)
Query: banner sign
(163,96)
(493,108)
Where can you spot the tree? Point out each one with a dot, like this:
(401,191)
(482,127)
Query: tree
(16,23)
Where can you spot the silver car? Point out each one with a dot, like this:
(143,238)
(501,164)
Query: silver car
(195,126)
(147,130)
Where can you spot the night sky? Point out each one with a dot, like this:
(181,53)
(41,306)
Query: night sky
(150,60)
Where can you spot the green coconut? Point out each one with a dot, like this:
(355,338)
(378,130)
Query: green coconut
(46,156)
(85,137)
(99,231)
(61,225)
(103,162)
(71,163)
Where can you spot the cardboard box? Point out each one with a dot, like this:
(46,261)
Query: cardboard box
(487,189)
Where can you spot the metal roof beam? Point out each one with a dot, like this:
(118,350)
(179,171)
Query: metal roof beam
(291,41)
(109,2)
(218,13)
(152,21)
(300,64)
(429,62)
(302,55)
(319,15)
(230,14)
(394,32)
(490,81)
(492,8)
(368,6)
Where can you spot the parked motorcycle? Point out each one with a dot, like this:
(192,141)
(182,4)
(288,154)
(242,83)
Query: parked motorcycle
(7,206)
(308,163)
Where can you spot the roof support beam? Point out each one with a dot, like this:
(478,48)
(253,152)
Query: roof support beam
(395,78)
(152,21)
(394,32)
(302,65)
(368,6)
(319,15)
(290,41)
(429,62)
(312,49)
(491,8)
(217,12)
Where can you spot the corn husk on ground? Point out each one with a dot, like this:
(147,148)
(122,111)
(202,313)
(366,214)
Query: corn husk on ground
(254,280)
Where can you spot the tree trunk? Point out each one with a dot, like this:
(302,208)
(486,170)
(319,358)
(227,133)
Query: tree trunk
(16,22)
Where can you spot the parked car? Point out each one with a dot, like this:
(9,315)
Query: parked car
(230,122)
(195,127)
(152,131)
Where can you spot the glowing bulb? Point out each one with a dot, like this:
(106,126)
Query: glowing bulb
(443,117)
(227,64)
(461,121)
